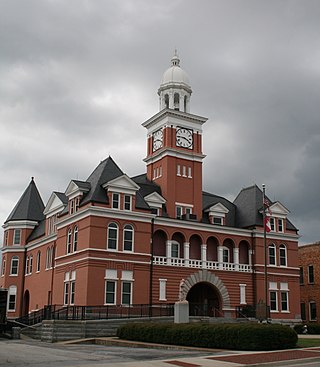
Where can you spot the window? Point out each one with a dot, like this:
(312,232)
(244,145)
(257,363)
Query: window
(112,236)
(6,233)
(49,257)
(111,286)
(17,237)
(162,289)
(243,294)
(280,225)
(27,265)
(77,203)
(178,170)
(128,238)
(310,274)
(303,311)
(175,249)
(272,254)
(273,290)
(188,211)
(110,292)
(283,255)
(273,301)
(69,288)
(312,311)
(301,276)
(12,295)
(115,201)
(69,239)
(14,265)
(179,212)
(71,207)
(284,292)
(184,171)
(30,264)
(217,220)
(225,255)
(127,202)
(126,293)
(3,267)
(189,172)
(75,238)
(38,261)
(272,224)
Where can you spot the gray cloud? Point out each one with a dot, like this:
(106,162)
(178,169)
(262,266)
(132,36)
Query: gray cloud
(78,78)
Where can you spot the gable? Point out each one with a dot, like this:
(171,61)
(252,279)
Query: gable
(54,205)
(154,200)
(279,210)
(122,184)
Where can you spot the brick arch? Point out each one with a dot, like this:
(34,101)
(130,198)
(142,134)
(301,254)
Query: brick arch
(206,276)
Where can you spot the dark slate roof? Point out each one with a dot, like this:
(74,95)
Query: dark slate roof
(146,187)
(82,184)
(30,205)
(106,171)
(210,199)
(249,204)
(39,231)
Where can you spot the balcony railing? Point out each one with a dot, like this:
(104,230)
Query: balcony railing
(200,264)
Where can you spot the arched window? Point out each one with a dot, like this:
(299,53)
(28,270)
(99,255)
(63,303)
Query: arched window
(75,238)
(27,265)
(69,236)
(30,264)
(128,238)
(272,254)
(3,268)
(38,260)
(283,255)
(49,257)
(14,265)
(166,100)
(112,236)
(176,101)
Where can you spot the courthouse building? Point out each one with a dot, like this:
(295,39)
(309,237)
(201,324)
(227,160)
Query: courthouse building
(111,239)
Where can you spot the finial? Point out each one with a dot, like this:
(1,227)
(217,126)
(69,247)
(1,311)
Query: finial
(175,61)
(32,178)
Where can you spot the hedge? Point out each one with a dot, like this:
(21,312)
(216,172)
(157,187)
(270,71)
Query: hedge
(311,328)
(223,336)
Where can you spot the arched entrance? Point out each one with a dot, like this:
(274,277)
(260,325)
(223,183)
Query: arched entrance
(204,300)
(26,300)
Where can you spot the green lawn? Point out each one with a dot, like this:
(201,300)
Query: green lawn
(306,343)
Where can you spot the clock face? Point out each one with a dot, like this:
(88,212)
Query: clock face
(184,138)
(157,140)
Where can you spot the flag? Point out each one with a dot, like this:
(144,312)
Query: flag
(268,213)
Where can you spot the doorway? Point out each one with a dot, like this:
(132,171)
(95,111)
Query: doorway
(204,300)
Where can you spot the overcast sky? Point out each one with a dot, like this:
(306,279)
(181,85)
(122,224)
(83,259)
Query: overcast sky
(78,77)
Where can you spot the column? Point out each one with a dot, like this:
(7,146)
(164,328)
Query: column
(204,255)
(171,100)
(220,257)
(186,253)
(236,258)
(250,257)
(168,248)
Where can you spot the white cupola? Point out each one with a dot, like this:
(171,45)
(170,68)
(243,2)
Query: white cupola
(175,90)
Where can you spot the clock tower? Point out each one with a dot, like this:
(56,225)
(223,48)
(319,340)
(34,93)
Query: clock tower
(174,146)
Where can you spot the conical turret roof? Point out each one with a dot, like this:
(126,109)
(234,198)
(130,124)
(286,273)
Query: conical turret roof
(30,205)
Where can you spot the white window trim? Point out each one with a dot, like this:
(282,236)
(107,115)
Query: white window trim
(131,291)
(310,319)
(112,200)
(14,236)
(162,289)
(117,238)
(132,244)
(283,247)
(130,202)
(275,254)
(14,258)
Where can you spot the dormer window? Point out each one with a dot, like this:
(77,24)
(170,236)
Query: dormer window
(127,202)
(217,221)
(17,237)
(71,207)
(272,224)
(115,200)
(280,225)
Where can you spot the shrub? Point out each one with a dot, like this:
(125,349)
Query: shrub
(225,336)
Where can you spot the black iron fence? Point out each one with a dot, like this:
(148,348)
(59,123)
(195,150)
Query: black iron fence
(59,312)
(259,311)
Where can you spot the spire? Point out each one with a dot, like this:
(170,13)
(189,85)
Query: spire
(175,61)
(30,205)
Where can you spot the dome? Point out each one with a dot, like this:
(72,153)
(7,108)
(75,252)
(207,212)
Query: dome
(175,74)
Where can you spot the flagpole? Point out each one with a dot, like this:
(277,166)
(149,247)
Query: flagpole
(265,251)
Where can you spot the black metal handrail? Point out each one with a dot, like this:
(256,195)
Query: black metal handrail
(107,312)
